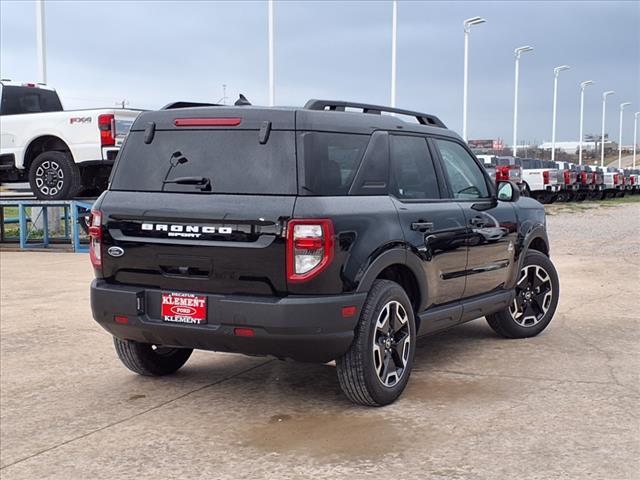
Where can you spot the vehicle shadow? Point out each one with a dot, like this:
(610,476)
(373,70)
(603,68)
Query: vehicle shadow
(318,384)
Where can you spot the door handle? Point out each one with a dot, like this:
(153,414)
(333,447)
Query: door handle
(422,226)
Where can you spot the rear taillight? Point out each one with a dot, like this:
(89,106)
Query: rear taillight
(95,238)
(545,177)
(632,180)
(567,177)
(309,248)
(616,178)
(106,124)
(502,173)
(584,178)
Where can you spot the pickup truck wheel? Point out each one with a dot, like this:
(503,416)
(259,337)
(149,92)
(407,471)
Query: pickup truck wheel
(54,176)
(537,293)
(376,369)
(150,360)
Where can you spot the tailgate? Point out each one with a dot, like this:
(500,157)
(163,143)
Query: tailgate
(211,243)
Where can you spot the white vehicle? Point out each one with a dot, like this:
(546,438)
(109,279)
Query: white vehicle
(540,179)
(60,153)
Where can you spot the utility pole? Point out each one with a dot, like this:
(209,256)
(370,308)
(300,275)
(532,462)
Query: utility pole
(583,85)
(556,72)
(41,50)
(272,81)
(465,82)
(394,46)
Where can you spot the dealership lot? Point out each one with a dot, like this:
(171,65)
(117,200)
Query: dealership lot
(561,405)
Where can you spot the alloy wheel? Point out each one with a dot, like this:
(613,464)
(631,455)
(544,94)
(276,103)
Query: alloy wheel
(49,178)
(533,296)
(391,343)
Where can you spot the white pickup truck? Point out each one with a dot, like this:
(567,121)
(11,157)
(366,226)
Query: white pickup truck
(540,179)
(60,153)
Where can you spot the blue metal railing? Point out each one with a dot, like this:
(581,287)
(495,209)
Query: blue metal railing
(74,212)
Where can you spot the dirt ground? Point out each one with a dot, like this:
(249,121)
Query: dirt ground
(562,405)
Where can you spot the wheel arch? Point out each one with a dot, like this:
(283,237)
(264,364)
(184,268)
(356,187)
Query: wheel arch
(402,267)
(41,144)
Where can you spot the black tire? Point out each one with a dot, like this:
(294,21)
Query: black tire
(508,322)
(54,176)
(150,360)
(361,369)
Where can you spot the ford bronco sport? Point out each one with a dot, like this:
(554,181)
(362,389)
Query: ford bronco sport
(330,232)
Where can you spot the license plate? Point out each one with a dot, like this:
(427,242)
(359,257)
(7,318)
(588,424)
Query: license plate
(184,308)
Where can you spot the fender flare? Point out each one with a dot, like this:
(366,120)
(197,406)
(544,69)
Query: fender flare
(537,232)
(395,256)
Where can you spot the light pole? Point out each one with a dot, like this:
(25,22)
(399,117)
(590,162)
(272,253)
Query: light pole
(467,28)
(394,41)
(41,50)
(635,137)
(622,107)
(556,73)
(272,81)
(583,85)
(604,109)
(518,51)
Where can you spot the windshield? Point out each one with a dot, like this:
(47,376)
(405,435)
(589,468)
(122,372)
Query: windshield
(233,161)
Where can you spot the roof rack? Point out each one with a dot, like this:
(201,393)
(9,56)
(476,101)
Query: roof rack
(171,106)
(340,106)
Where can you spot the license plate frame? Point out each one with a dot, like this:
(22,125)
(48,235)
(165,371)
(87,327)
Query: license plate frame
(183,308)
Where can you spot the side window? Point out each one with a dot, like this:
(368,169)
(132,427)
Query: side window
(331,161)
(465,176)
(413,171)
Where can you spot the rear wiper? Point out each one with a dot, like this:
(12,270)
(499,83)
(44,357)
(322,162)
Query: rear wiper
(203,182)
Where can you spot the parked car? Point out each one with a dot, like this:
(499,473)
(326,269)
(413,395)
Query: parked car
(503,169)
(634,175)
(314,234)
(568,179)
(59,152)
(598,180)
(586,182)
(540,180)
(613,182)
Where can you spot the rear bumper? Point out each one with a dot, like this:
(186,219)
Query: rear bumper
(303,328)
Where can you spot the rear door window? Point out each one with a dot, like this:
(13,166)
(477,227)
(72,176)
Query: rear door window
(329,161)
(18,100)
(233,162)
(414,175)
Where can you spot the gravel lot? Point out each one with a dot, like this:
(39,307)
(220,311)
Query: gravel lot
(562,405)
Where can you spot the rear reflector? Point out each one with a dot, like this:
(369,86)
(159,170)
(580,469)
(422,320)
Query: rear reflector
(243,332)
(207,122)
(121,319)
(349,311)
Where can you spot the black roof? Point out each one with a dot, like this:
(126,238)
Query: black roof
(318,115)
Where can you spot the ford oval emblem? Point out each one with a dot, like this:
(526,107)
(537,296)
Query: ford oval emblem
(115,251)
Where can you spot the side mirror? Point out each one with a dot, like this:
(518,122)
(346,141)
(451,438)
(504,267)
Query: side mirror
(508,191)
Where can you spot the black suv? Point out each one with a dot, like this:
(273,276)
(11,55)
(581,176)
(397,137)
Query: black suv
(335,231)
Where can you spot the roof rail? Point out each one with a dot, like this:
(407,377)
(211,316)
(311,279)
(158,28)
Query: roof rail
(171,106)
(340,106)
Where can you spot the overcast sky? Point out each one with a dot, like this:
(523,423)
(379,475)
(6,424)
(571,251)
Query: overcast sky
(151,53)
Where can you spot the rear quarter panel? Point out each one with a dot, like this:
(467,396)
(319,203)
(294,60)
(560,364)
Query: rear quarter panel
(364,226)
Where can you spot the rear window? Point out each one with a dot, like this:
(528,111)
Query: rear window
(330,161)
(19,100)
(233,162)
